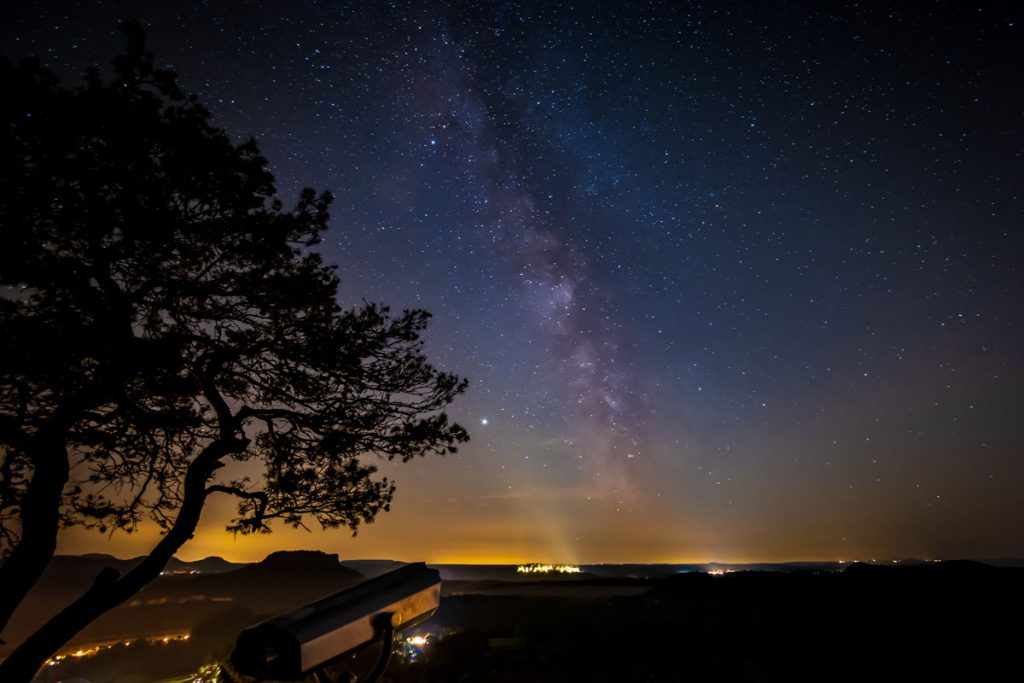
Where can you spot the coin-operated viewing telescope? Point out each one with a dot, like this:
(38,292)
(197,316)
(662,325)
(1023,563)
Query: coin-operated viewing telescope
(306,641)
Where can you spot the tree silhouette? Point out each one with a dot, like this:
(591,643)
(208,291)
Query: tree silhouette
(164,316)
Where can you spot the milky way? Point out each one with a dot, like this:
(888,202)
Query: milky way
(729,281)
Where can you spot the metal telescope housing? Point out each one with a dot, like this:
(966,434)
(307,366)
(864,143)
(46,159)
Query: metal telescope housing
(292,645)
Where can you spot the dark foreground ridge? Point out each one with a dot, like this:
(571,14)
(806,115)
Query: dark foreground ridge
(867,622)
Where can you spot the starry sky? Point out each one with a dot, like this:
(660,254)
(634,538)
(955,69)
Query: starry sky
(731,281)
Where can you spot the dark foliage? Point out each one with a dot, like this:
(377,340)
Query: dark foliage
(165,315)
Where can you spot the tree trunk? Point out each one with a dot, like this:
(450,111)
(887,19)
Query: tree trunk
(40,521)
(108,590)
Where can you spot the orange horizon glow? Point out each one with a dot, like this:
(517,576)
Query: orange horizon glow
(435,520)
(238,551)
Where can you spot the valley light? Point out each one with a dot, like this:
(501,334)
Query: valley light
(536,568)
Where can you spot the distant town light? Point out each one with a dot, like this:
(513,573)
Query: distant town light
(537,568)
(90,650)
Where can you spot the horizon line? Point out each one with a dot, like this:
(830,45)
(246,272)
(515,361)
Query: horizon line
(508,563)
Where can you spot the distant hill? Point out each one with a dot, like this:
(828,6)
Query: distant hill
(86,567)
(281,580)
(207,565)
(945,570)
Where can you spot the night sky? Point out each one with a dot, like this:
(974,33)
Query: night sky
(730,281)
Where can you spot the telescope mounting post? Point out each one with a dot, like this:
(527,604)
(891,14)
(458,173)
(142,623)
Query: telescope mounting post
(385,623)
